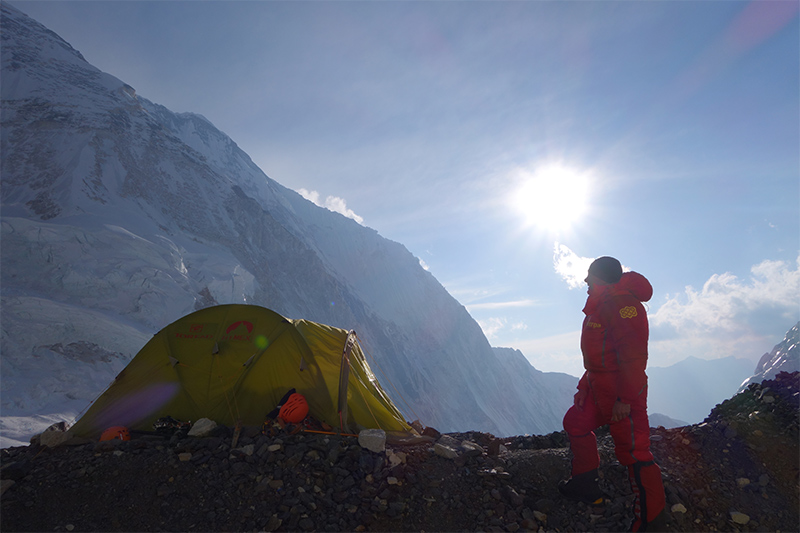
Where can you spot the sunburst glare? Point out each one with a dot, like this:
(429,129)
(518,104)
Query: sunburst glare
(553,197)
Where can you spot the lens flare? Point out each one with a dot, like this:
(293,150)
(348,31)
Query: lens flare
(131,409)
(261,342)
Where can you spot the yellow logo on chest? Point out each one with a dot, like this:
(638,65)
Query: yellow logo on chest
(628,312)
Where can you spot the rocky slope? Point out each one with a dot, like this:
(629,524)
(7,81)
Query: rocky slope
(737,471)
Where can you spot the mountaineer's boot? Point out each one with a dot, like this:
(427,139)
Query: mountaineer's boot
(583,488)
(649,505)
(657,525)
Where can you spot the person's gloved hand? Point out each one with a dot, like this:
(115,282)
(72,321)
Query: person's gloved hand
(580,398)
(620,411)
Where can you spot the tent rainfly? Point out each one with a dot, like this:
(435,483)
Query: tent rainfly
(233,364)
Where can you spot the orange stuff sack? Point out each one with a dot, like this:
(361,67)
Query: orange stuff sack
(116,432)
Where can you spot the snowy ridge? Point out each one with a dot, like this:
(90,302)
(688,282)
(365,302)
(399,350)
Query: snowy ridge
(119,217)
(784,357)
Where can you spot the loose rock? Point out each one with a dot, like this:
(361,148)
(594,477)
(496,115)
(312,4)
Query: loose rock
(202,428)
(372,439)
(739,518)
(308,482)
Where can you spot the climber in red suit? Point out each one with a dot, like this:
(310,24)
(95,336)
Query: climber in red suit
(613,391)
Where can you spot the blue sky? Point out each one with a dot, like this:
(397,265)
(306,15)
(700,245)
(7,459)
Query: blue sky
(452,127)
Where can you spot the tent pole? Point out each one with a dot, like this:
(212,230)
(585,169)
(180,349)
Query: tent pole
(344,378)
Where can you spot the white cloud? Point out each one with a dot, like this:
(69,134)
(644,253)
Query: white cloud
(570,266)
(728,316)
(332,203)
(311,196)
(729,305)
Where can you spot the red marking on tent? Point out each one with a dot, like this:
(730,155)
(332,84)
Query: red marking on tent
(248,325)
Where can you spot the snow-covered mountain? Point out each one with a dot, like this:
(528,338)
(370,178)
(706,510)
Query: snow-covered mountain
(120,216)
(784,357)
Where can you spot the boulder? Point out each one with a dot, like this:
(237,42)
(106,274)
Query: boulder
(450,442)
(373,440)
(53,436)
(202,428)
(445,451)
(471,449)
(431,432)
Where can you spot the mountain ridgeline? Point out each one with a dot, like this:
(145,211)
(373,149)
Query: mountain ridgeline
(120,216)
(784,357)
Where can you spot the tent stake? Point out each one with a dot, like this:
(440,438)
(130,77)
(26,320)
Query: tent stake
(338,434)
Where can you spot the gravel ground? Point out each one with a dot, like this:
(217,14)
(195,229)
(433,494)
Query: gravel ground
(737,471)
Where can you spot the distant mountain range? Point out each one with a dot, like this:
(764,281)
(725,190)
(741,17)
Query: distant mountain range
(684,392)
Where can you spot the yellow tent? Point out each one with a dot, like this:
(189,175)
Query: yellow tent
(234,363)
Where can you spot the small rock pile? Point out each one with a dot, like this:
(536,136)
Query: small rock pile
(737,471)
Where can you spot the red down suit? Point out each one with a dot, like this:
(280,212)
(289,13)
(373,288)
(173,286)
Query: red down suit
(614,346)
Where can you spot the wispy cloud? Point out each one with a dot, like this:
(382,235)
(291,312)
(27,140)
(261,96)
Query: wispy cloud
(333,203)
(570,266)
(519,326)
(492,326)
(502,305)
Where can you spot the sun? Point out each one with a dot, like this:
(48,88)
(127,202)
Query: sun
(553,197)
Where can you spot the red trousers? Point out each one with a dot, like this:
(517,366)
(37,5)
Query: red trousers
(631,442)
